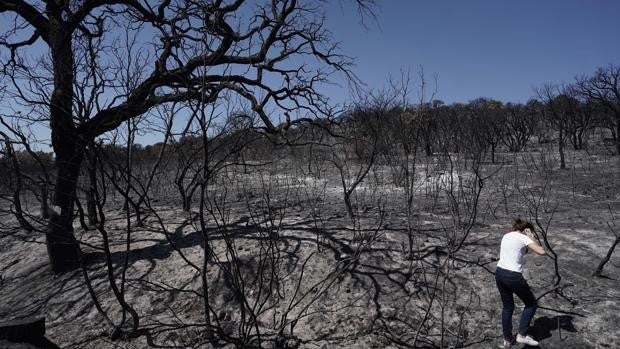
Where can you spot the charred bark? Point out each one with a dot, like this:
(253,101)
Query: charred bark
(618,135)
(62,246)
(601,265)
(91,206)
(561,149)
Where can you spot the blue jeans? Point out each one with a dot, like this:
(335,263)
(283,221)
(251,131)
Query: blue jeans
(509,282)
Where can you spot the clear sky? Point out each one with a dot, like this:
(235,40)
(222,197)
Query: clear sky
(481,48)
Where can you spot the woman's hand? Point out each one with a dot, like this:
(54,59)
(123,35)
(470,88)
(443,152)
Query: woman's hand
(534,246)
(530,234)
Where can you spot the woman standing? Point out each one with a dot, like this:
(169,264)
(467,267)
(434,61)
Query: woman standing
(509,279)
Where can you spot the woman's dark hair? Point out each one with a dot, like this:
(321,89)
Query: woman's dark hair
(520,225)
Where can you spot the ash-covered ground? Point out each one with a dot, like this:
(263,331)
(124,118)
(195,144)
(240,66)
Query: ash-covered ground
(286,260)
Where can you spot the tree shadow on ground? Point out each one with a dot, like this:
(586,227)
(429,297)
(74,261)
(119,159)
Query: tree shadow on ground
(373,272)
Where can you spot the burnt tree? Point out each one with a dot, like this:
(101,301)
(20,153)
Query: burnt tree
(604,88)
(256,50)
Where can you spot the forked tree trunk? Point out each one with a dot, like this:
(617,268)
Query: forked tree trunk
(580,141)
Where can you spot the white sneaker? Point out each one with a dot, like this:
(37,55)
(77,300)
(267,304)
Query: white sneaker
(526,340)
(507,344)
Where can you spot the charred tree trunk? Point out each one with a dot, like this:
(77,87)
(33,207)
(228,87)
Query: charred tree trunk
(45,210)
(428,148)
(618,135)
(62,246)
(186,198)
(561,149)
(17,203)
(186,194)
(187,204)
(580,137)
(92,187)
(601,265)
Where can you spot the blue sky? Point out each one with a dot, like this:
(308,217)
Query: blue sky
(480,48)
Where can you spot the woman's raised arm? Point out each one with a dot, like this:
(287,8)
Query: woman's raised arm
(534,246)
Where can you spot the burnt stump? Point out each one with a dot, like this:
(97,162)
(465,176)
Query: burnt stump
(29,330)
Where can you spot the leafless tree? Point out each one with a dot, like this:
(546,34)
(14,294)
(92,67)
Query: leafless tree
(542,204)
(612,228)
(487,124)
(244,53)
(520,122)
(557,110)
(580,116)
(604,88)
(409,129)
(28,174)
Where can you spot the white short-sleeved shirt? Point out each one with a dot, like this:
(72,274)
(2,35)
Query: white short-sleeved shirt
(513,248)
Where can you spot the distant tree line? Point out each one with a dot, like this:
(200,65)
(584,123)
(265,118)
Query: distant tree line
(574,115)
